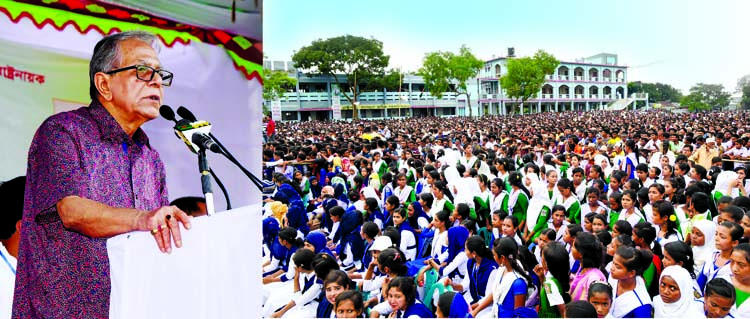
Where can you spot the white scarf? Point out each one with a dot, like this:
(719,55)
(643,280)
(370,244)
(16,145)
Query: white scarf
(402,194)
(687,305)
(627,302)
(539,200)
(376,165)
(503,285)
(484,169)
(496,202)
(722,184)
(704,254)
(633,159)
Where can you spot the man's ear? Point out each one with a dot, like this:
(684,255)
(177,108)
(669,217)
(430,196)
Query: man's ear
(102,83)
(18,226)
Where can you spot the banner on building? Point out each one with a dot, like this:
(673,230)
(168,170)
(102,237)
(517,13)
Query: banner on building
(276,110)
(336,107)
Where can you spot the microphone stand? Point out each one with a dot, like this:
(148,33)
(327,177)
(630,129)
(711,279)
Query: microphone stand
(186,114)
(221,186)
(258,183)
(204,169)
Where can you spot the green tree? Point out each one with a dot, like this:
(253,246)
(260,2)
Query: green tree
(711,94)
(441,69)
(742,82)
(526,76)
(356,59)
(657,92)
(275,84)
(694,102)
(745,102)
(391,81)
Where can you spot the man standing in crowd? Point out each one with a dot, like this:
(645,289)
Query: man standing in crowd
(91,175)
(703,155)
(270,130)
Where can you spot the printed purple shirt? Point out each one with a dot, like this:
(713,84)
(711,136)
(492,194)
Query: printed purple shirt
(62,273)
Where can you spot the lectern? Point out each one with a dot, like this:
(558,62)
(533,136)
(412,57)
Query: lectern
(216,273)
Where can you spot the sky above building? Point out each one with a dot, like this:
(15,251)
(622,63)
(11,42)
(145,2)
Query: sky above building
(678,42)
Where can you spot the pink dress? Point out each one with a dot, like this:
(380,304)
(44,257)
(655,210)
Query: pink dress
(579,287)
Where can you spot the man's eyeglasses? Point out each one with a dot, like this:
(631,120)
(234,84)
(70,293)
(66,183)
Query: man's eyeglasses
(146,73)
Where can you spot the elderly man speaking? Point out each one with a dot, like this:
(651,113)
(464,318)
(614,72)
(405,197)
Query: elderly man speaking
(91,175)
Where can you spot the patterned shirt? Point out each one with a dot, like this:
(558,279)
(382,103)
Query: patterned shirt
(85,152)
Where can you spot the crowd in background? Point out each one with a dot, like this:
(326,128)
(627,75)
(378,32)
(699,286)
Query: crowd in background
(576,214)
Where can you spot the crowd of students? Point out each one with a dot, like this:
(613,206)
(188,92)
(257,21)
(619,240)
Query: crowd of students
(577,214)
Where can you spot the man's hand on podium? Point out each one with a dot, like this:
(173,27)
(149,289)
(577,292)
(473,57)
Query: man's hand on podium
(164,224)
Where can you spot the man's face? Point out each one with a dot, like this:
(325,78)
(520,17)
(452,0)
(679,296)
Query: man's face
(135,100)
(686,151)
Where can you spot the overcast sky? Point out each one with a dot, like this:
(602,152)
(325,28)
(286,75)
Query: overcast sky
(676,42)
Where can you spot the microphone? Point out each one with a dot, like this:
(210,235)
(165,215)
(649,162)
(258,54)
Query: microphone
(197,141)
(195,135)
(202,140)
(201,130)
(167,113)
(186,114)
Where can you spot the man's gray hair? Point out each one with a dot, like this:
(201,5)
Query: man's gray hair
(107,54)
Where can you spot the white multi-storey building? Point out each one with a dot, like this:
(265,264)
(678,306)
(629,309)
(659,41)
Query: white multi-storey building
(587,84)
(313,98)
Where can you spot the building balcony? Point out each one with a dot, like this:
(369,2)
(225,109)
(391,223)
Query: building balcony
(565,78)
(318,100)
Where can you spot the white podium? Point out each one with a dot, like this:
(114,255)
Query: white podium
(216,273)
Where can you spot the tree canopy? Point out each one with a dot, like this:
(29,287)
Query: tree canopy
(743,82)
(745,102)
(657,92)
(275,83)
(359,59)
(526,76)
(706,97)
(442,69)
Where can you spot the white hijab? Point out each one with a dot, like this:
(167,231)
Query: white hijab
(722,183)
(350,176)
(704,253)
(687,305)
(485,170)
(370,192)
